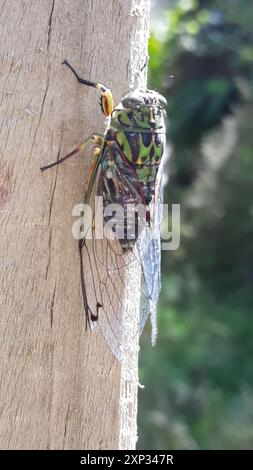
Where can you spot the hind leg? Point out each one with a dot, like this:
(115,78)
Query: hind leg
(95,139)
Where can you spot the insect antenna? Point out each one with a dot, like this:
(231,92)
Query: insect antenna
(145,63)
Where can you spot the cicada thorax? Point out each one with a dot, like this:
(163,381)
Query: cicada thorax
(144,151)
(132,154)
(140,134)
(123,197)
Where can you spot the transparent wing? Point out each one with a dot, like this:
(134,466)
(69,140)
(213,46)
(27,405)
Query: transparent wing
(110,277)
(149,249)
(116,280)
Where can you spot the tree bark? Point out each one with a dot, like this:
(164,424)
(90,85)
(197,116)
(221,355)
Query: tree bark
(60,386)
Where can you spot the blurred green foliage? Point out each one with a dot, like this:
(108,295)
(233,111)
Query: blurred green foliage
(199,380)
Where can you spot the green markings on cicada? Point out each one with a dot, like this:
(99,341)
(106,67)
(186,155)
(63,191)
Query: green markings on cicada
(144,150)
(130,143)
(125,119)
(141,120)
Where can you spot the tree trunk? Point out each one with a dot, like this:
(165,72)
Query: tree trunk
(61,387)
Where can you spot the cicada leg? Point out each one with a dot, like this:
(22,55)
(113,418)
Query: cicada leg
(95,154)
(95,139)
(106,101)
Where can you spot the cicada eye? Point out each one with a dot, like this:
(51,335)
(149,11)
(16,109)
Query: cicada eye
(130,102)
(162,101)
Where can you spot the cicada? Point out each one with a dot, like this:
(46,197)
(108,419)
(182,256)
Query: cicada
(125,173)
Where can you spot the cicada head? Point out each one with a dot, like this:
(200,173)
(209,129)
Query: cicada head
(140,110)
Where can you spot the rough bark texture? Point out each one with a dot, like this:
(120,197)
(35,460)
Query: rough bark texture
(60,387)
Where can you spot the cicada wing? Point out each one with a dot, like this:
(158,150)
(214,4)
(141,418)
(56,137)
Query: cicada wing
(118,318)
(121,285)
(149,250)
(111,275)
(102,274)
